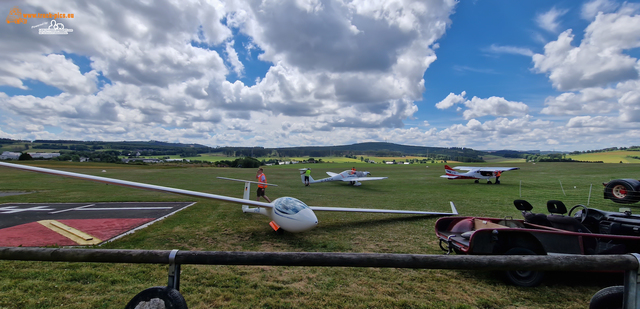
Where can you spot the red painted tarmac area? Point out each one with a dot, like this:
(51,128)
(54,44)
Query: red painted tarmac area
(35,234)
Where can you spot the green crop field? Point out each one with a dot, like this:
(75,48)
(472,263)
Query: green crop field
(217,226)
(621,156)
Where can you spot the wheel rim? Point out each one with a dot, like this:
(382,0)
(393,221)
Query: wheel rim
(619,191)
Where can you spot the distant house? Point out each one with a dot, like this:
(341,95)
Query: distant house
(127,160)
(176,160)
(8,155)
(44,155)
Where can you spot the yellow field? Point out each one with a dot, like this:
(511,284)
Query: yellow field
(621,156)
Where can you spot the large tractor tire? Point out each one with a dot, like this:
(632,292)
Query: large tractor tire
(623,191)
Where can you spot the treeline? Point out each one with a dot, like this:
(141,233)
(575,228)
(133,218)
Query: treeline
(631,148)
(555,157)
(109,156)
(150,148)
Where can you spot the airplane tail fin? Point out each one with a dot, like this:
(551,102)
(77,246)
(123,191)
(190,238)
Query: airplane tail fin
(449,171)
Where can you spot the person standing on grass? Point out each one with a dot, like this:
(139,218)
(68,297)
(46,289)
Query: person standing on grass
(307,174)
(262,179)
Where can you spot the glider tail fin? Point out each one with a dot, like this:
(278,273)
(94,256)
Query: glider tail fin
(302,174)
(245,195)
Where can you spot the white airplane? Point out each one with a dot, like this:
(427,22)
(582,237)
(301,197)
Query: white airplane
(286,213)
(352,177)
(476,173)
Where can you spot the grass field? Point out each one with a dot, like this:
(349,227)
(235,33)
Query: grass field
(215,226)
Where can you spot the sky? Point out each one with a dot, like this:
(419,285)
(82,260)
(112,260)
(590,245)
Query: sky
(484,74)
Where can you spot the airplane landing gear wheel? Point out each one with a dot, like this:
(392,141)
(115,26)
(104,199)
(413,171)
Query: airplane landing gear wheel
(477,181)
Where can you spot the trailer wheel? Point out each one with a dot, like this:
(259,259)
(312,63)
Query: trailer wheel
(608,298)
(171,298)
(524,278)
(623,191)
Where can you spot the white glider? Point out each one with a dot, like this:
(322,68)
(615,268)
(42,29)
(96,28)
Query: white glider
(287,213)
(353,177)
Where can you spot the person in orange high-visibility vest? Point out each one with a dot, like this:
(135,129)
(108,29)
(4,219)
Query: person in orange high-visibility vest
(353,170)
(498,173)
(262,179)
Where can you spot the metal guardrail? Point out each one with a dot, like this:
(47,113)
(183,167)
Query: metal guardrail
(629,263)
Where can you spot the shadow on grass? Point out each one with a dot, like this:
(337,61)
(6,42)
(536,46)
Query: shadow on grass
(556,279)
(338,226)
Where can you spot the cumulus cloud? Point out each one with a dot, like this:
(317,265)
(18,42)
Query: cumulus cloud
(599,59)
(171,68)
(549,19)
(477,107)
(592,8)
(601,77)
(494,106)
(451,100)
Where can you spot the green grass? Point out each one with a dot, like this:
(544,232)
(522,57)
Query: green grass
(216,226)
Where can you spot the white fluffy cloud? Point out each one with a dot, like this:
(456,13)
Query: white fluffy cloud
(605,79)
(599,59)
(549,19)
(170,68)
(477,107)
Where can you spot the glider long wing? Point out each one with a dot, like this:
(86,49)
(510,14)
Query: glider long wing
(454,211)
(363,178)
(137,185)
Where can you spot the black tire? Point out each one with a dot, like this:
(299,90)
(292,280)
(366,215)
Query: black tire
(608,298)
(171,297)
(524,278)
(623,191)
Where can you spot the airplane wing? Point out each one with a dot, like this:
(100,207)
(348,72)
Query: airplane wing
(454,211)
(363,178)
(495,169)
(485,169)
(331,174)
(466,168)
(138,185)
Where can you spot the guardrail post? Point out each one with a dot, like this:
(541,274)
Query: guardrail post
(174,271)
(631,298)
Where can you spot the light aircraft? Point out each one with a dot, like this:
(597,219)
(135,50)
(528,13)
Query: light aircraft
(352,177)
(286,213)
(476,173)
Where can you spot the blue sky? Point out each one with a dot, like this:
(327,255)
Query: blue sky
(485,74)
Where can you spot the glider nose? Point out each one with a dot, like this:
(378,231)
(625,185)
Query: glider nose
(309,217)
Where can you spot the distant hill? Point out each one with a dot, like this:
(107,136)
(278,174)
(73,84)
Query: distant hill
(150,148)
(377,149)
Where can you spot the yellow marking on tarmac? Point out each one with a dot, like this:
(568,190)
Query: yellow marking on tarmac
(79,237)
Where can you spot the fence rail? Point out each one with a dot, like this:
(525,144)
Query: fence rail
(630,263)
